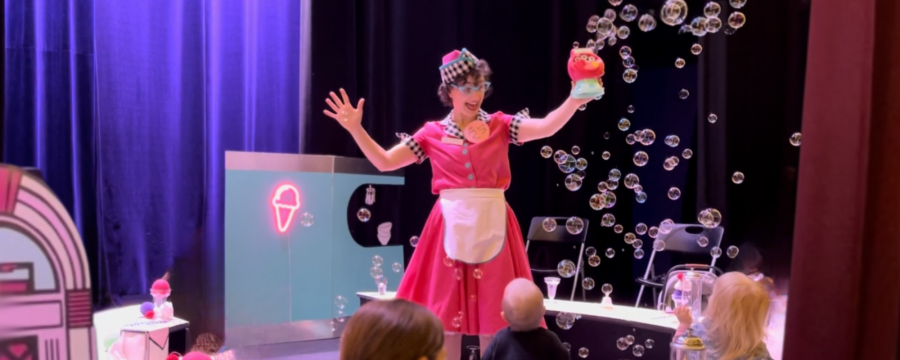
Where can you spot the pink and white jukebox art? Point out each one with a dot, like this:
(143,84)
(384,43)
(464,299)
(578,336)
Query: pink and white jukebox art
(45,286)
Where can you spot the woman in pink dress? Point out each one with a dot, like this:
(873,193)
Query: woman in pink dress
(471,246)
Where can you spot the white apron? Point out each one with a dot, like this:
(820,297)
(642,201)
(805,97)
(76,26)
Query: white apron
(474,224)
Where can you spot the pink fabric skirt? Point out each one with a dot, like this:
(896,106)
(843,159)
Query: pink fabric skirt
(467,298)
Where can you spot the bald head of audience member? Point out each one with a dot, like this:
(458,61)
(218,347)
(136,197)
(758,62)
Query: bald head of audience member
(523,305)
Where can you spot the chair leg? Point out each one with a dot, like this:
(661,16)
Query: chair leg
(583,293)
(577,271)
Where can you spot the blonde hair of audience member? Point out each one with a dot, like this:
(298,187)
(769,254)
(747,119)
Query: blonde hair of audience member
(393,330)
(737,313)
(523,305)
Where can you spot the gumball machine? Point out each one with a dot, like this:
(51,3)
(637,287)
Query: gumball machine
(607,303)
(585,69)
(687,347)
(162,309)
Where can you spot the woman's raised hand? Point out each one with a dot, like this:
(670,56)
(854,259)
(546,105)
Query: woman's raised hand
(341,110)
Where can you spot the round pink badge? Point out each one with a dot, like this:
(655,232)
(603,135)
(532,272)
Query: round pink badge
(477,131)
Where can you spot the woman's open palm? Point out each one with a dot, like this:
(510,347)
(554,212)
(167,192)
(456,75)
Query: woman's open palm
(341,110)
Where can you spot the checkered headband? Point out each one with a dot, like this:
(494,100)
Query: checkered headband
(456,63)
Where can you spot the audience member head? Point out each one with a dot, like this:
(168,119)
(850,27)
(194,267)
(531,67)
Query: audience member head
(523,305)
(737,313)
(393,330)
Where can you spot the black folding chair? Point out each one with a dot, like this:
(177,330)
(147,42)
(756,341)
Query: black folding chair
(559,235)
(682,239)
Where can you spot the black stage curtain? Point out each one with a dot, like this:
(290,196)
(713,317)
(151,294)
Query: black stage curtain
(389,51)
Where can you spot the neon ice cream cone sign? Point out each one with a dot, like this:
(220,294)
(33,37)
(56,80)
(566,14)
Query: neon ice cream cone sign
(286,201)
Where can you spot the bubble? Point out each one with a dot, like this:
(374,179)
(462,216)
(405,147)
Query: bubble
(448,261)
(608,220)
(630,109)
(576,150)
(612,184)
(618,228)
(670,163)
(710,217)
(702,241)
(653,232)
(640,158)
(666,226)
(647,137)
(602,186)
(567,346)
(605,29)
(606,289)
(377,260)
(713,25)
(574,225)
(587,283)
(712,9)
(611,40)
(340,302)
(712,118)
(638,350)
(457,322)
(568,164)
(639,254)
(622,344)
(575,45)
(640,197)
(549,224)
(594,261)
(590,44)
(737,4)
(730,31)
(638,187)
(559,156)
(736,20)
(732,251)
(590,251)
(659,245)
(566,268)
(673,12)
(628,62)
(630,75)
(565,320)
(679,63)
(375,272)
(608,199)
(573,182)
(477,273)
(397,267)
(637,244)
(583,107)
(610,14)
(649,343)
(581,173)
(795,139)
(615,174)
(673,140)
(716,252)
(363,215)
(698,26)
(546,152)
(629,339)
(684,29)
(605,155)
(683,94)
(624,124)
(631,180)
(737,177)
(583,352)
(592,23)
(687,154)
(674,193)
(610,253)
(630,139)
(647,23)
(629,13)
(307,219)
(696,49)
(629,238)
(640,228)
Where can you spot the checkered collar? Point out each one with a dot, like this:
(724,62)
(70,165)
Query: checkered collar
(452,129)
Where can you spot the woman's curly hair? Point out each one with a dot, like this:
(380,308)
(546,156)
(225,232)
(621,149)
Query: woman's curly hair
(481,69)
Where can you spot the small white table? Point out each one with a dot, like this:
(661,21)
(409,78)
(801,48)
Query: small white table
(149,339)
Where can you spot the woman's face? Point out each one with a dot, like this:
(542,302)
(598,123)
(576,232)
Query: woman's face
(467,97)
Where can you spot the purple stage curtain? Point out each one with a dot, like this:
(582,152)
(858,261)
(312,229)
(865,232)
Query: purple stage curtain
(845,275)
(128,108)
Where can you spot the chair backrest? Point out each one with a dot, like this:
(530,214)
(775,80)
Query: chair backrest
(683,238)
(536,231)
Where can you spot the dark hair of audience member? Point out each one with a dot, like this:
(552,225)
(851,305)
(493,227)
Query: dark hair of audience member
(392,330)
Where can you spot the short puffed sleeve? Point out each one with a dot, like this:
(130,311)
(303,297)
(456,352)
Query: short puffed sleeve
(513,123)
(417,143)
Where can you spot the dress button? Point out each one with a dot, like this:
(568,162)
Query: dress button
(471,176)
(465,151)
(465,144)
(468,165)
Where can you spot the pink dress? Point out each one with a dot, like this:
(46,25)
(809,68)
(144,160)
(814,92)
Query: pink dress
(467,298)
